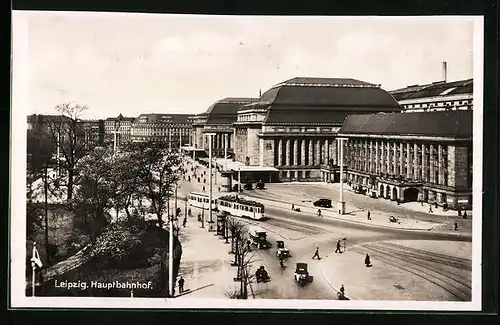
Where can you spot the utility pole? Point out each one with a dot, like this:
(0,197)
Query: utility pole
(341,203)
(180,140)
(210,222)
(175,204)
(225,145)
(171,257)
(239,180)
(114,142)
(169,139)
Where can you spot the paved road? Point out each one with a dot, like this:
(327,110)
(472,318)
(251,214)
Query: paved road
(304,232)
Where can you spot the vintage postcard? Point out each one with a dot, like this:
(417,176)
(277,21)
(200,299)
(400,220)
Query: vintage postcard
(196,161)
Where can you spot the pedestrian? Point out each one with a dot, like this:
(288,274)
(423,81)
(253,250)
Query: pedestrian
(319,212)
(342,291)
(181,285)
(184,222)
(459,212)
(219,188)
(456,226)
(293,207)
(316,254)
(367,260)
(338,247)
(430,209)
(465,215)
(368,215)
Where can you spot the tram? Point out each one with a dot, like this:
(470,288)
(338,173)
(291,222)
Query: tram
(240,207)
(200,200)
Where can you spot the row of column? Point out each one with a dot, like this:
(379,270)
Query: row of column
(305,152)
(427,162)
(220,141)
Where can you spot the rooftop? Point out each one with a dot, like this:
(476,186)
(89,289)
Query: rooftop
(225,111)
(454,124)
(434,90)
(156,117)
(306,100)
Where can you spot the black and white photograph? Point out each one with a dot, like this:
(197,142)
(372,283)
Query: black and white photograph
(212,161)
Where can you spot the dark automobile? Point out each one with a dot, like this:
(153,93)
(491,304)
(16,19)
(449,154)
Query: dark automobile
(260,185)
(324,203)
(248,186)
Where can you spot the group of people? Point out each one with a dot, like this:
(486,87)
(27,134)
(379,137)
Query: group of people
(337,250)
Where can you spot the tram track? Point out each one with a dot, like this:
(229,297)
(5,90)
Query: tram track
(422,265)
(457,262)
(296,226)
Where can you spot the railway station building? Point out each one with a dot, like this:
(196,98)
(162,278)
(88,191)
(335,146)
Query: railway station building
(293,126)
(420,156)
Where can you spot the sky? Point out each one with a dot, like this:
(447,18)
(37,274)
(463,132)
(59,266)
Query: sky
(158,63)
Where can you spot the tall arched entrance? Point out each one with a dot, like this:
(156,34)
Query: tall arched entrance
(410,194)
(387,192)
(394,194)
(381,190)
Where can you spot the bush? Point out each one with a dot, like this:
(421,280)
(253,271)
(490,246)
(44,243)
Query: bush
(116,242)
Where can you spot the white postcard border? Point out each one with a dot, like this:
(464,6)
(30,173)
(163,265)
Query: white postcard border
(20,79)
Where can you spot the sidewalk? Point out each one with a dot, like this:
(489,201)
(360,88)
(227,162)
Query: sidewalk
(205,264)
(414,206)
(380,219)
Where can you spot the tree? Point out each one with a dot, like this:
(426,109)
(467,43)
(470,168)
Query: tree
(126,178)
(157,174)
(243,257)
(40,174)
(92,200)
(70,136)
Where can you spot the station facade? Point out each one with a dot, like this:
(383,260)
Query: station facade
(293,126)
(421,156)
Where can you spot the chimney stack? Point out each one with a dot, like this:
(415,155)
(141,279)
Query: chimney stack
(445,72)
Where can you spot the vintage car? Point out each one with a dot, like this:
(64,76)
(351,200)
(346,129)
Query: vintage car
(260,185)
(261,275)
(281,250)
(258,237)
(301,274)
(323,203)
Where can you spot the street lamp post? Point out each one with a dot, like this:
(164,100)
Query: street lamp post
(171,256)
(239,180)
(341,207)
(175,202)
(210,222)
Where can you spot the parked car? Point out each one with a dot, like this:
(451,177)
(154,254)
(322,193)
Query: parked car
(248,186)
(260,185)
(324,203)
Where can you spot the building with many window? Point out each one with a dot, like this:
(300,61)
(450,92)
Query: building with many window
(175,129)
(438,96)
(293,126)
(424,156)
(93,132)
(119,127)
